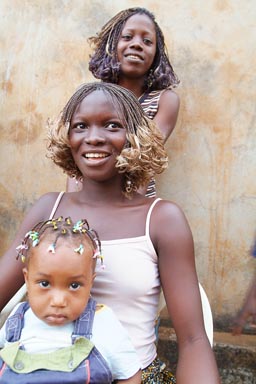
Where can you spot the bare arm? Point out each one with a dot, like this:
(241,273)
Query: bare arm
(11,269)
(135,379)
(167,113)
(174,243)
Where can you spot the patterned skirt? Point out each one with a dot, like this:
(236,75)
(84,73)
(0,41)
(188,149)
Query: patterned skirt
(156,373)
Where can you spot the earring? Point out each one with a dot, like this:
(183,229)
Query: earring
(78,181)
(128,186)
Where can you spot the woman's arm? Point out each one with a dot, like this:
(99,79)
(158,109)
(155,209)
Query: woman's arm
(174,244)
(11,269)
(167,113)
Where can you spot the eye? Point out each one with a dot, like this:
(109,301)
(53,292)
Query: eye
(44,284)
(79,126)
(75,286)
(126,37)
(114,126)
(147,41)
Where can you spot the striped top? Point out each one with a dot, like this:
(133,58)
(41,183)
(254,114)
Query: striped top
(150,103)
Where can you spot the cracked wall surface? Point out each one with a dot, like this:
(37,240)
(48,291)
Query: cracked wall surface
(211,175)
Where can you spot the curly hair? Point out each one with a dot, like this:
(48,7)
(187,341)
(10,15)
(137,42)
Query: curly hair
(143,155)
(104,63)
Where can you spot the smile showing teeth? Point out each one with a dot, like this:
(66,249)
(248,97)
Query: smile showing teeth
(133,57)
(95,155)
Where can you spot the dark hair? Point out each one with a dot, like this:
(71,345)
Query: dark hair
(104,64)
(59,228)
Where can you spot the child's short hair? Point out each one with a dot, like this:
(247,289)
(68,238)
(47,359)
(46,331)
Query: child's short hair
(79,233)
(143,156)
(104,62)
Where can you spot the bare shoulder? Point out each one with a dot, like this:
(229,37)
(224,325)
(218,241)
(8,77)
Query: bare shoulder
(167,210)
(41,209)
(46,202)
(168,221)
(168,96)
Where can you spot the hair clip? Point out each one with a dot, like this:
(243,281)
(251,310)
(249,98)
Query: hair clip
(78,226)
(80,249)
(20,249)
(103,266)
(34,236)
(51,248)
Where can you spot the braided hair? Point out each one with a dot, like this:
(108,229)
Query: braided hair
(79,233)
(104,63)
(142,157)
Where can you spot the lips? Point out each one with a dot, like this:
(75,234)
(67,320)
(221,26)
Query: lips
(133,56)
(93,155)
(56,319)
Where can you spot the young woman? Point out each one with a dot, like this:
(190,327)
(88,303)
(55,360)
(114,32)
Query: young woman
(130,51)
(103,136)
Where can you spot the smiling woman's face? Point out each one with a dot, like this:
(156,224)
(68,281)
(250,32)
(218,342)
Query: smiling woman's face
(136,46)
(97,136)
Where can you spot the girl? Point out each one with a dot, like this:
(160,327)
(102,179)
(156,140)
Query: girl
(104,137)
(130,51)
(64,337)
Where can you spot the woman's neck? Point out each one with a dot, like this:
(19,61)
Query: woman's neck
(134,85)
(105,192)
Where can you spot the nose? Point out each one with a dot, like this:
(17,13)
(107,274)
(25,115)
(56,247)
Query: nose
(58,298)
(95,136)
(136,43)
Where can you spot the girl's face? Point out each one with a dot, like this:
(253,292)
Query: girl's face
(59,283)
(97,136)
(136,46)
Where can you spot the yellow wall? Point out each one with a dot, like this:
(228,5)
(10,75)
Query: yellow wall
(44,55)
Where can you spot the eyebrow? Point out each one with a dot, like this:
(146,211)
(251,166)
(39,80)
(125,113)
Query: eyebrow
(46,275)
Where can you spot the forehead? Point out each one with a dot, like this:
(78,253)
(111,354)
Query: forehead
(98,103)
(140,22)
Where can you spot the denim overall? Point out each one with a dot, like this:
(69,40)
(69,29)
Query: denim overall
(93,369)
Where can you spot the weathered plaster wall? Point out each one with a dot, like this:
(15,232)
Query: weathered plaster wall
(212,44)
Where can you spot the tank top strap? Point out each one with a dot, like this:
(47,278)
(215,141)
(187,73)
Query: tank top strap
(56,204)
(149,214)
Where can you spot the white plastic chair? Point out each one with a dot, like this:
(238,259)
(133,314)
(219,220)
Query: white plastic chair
(207,312)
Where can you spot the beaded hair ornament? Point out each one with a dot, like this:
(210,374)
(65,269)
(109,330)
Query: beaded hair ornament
(62,228)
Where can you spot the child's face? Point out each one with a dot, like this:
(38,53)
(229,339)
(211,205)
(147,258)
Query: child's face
(59,283)
(136,47)
(97,136)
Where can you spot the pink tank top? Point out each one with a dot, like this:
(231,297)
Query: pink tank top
(130,285)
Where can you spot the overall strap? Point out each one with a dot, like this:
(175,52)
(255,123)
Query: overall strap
(56,204)
(149,215)
(83,325)
(14,323)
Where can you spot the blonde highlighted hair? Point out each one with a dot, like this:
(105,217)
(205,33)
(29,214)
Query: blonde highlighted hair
(142,157)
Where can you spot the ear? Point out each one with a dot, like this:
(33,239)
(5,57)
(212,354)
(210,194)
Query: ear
(93,277)
(25,274)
